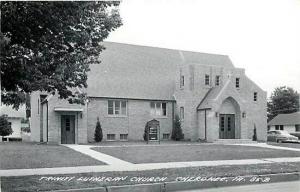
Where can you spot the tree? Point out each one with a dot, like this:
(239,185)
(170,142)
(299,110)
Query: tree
(177,131)
(283,100)
(146,130)
(98,132)
(254,137)
(5,127)
(48,46)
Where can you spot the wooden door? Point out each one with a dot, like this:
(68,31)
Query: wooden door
(227,126)
(68,129)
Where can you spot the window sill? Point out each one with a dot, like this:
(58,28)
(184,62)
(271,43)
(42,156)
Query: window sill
(116,116)
(160,117)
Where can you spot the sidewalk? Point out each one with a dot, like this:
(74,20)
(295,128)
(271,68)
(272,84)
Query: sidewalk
(265,145)
(139,167)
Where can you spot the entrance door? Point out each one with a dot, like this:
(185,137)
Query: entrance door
(227,126)
(68,129)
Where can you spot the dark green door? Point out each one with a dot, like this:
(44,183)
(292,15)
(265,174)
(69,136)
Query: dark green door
(227,126)
(68,129)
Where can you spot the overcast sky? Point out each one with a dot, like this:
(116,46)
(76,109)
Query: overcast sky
(262,36)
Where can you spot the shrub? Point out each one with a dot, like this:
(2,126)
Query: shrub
(5,128)
(98,132)
(177,134)
(254,138)
(145,136)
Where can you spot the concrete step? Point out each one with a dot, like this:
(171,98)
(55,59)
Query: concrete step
(234,141)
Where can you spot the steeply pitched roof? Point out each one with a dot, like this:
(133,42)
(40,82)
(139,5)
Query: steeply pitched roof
(286,119)
(10,112)
(140,72)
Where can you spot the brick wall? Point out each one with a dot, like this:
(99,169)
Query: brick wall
(133,124)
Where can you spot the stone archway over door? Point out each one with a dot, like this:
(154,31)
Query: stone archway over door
(229,119)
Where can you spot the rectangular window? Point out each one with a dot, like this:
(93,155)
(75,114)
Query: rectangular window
(124,137)
(217,80)
(297,128)
(68,124)
(181,113)
(281,127)
(206,79)
(117,107)
(255,96)
(111,137)
(158,109)
(181,81)
(166,136)
(276,127)
(237,82)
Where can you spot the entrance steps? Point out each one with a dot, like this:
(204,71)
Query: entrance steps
(234,141)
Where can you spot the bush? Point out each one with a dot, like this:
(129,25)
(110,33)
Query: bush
(5,128)
(254,138)
(98,132)
(145,136)
(177,134)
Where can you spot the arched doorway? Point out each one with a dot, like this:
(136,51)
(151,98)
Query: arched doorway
(229,119)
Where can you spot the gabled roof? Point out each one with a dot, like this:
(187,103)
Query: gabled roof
(286,119)
(10,112)
(140,72)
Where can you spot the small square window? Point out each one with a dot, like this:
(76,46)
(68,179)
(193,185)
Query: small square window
(206,79)
(237,82)
(111,137)
(276,127)
(124,137)
(255,96)
(166,136)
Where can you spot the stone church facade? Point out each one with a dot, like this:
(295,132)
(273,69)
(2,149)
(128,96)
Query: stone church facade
(136,84)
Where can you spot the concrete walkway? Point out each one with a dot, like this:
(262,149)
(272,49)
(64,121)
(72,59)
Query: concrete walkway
(264,145)
(110,160)
(139,167)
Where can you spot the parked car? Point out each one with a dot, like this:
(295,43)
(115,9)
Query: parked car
(280,136)
(296,134)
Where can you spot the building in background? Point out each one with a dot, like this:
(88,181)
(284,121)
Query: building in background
(289,122)
(15,119)
(136,84)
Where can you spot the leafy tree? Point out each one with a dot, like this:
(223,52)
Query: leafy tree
(177,131)
(98,132)
(283,100)
(5,128)
(48,46)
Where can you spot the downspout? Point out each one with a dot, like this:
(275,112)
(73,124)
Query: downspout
(47,120)
(205,125)
(173,116)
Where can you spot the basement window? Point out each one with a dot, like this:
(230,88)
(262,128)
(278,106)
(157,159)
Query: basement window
(111,137)
(123,137)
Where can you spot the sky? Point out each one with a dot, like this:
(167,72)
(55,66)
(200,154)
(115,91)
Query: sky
(261,36)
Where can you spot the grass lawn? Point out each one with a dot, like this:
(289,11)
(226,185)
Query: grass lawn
(18,155)
(36,183)
(157,154)
(291,145)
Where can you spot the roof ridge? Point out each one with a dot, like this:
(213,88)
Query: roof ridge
(165,48)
